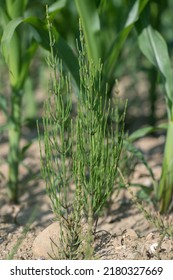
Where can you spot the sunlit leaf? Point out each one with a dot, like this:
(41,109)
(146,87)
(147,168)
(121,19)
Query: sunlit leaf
(41,36)
(58,5)
(154,47)
(116,47)
(15,8)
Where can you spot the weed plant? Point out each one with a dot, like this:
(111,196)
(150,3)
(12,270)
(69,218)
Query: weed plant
(155,219)
(81,151)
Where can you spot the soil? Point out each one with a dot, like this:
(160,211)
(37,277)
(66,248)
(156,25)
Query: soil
(122,233)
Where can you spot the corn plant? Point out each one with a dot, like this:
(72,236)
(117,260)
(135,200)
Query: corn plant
(82,150)
(17,20)
(18,71)
(154,47)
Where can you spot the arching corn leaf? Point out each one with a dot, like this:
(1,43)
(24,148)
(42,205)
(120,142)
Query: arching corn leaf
(154,47)
(41,36)
(91,27)
(58,5)
(116,47)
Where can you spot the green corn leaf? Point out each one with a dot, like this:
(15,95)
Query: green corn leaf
(135,12)
(26,60)
(146,130)
(24,150)
(15,8)
(41,36)
(4,19)
(8,33)
(64,51)
(155,49)
(13,59)
(11,50)
(58,5)
(41,33)
(119,41)
(70,60)
(91,27)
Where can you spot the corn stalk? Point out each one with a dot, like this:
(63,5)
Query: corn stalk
(13,56)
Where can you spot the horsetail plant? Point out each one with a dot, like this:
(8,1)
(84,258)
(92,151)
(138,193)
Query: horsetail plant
(80,151)
(98,147)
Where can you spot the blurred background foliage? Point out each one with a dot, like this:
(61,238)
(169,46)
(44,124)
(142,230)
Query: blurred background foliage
(113,15)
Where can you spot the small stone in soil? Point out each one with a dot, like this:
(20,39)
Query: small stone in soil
(43,246)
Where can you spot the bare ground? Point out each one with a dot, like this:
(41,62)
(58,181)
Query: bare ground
(123,233)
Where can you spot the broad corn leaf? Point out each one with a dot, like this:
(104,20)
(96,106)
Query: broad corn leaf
(135,12)
(116,47)
(16,8)
(155,49)
(10,46)
(41,37)
(58,5)
(141,132)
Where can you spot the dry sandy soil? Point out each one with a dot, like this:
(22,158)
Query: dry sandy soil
(123,233)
